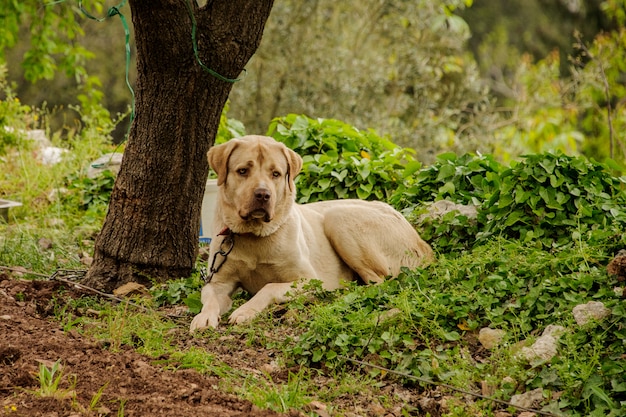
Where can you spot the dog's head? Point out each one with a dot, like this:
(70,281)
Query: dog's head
(255,175)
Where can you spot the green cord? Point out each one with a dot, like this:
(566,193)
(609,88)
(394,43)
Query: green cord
(195,49)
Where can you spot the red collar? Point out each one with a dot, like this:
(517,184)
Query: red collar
(225,231)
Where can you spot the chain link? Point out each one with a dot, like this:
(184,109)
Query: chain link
(224,250)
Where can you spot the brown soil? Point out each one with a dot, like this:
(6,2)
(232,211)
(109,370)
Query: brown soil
(133,386)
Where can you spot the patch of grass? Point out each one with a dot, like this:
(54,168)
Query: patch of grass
(42,249)
(200,360)
(51,208)
(280,397)
(50,381)
(147,331)
(121,324)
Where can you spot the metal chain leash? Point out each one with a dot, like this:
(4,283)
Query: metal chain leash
(224,250)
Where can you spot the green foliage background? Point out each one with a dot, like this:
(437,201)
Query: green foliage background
(435,76)
(545,230)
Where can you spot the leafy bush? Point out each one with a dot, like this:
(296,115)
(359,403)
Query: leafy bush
(545,198)
(465,179)
(342,162)
(548,197)
(92,192)
(176,291)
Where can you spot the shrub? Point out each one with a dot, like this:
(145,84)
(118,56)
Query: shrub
(465,179)
(341,161)
(91,192)
(547,197)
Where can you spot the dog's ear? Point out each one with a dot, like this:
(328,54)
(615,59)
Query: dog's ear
(218,159)
(294,163)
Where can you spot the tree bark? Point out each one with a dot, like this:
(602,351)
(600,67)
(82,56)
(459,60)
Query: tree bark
(151,230)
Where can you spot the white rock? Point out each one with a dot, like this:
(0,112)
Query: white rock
(545,347)
(50,155)
(490,338)
(528,399)
(593,310)
(439,208)
(553,330)
(109,161)
(38,136)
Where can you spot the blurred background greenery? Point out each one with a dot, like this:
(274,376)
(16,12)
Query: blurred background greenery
(504,77)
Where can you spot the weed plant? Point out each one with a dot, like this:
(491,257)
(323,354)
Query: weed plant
(50,380)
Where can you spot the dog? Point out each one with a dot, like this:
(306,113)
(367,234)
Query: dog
(267,242)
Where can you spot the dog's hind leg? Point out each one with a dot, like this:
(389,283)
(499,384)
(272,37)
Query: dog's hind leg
(374,240)
(371,266)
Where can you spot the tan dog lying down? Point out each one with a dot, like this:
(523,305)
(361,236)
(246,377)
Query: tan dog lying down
(277,241)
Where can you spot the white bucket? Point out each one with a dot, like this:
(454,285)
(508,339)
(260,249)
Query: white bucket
(208,209)
(5,205)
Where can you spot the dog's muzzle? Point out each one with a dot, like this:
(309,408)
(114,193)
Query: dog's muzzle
(258,214)
(260,207)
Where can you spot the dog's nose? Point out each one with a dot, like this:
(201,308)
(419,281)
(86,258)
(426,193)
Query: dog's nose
(262,194)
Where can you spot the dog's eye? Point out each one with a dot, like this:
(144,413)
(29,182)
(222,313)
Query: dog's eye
(276,174)
(242,171)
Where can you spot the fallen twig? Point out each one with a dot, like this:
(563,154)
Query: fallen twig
(23,271)
(55,277)
(81,273)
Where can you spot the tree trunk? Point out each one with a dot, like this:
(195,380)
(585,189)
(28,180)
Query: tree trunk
(151,230)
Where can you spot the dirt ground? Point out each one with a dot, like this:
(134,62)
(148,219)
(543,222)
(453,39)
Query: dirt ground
(125,383)
(133,386)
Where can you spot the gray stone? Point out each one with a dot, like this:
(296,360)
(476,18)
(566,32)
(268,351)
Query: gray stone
(593,310)
(440,208)
(528,399)
(545,347)
(109,161)
(490,338)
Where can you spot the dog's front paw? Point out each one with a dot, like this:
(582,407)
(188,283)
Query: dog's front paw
(242,315)
(203,321)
